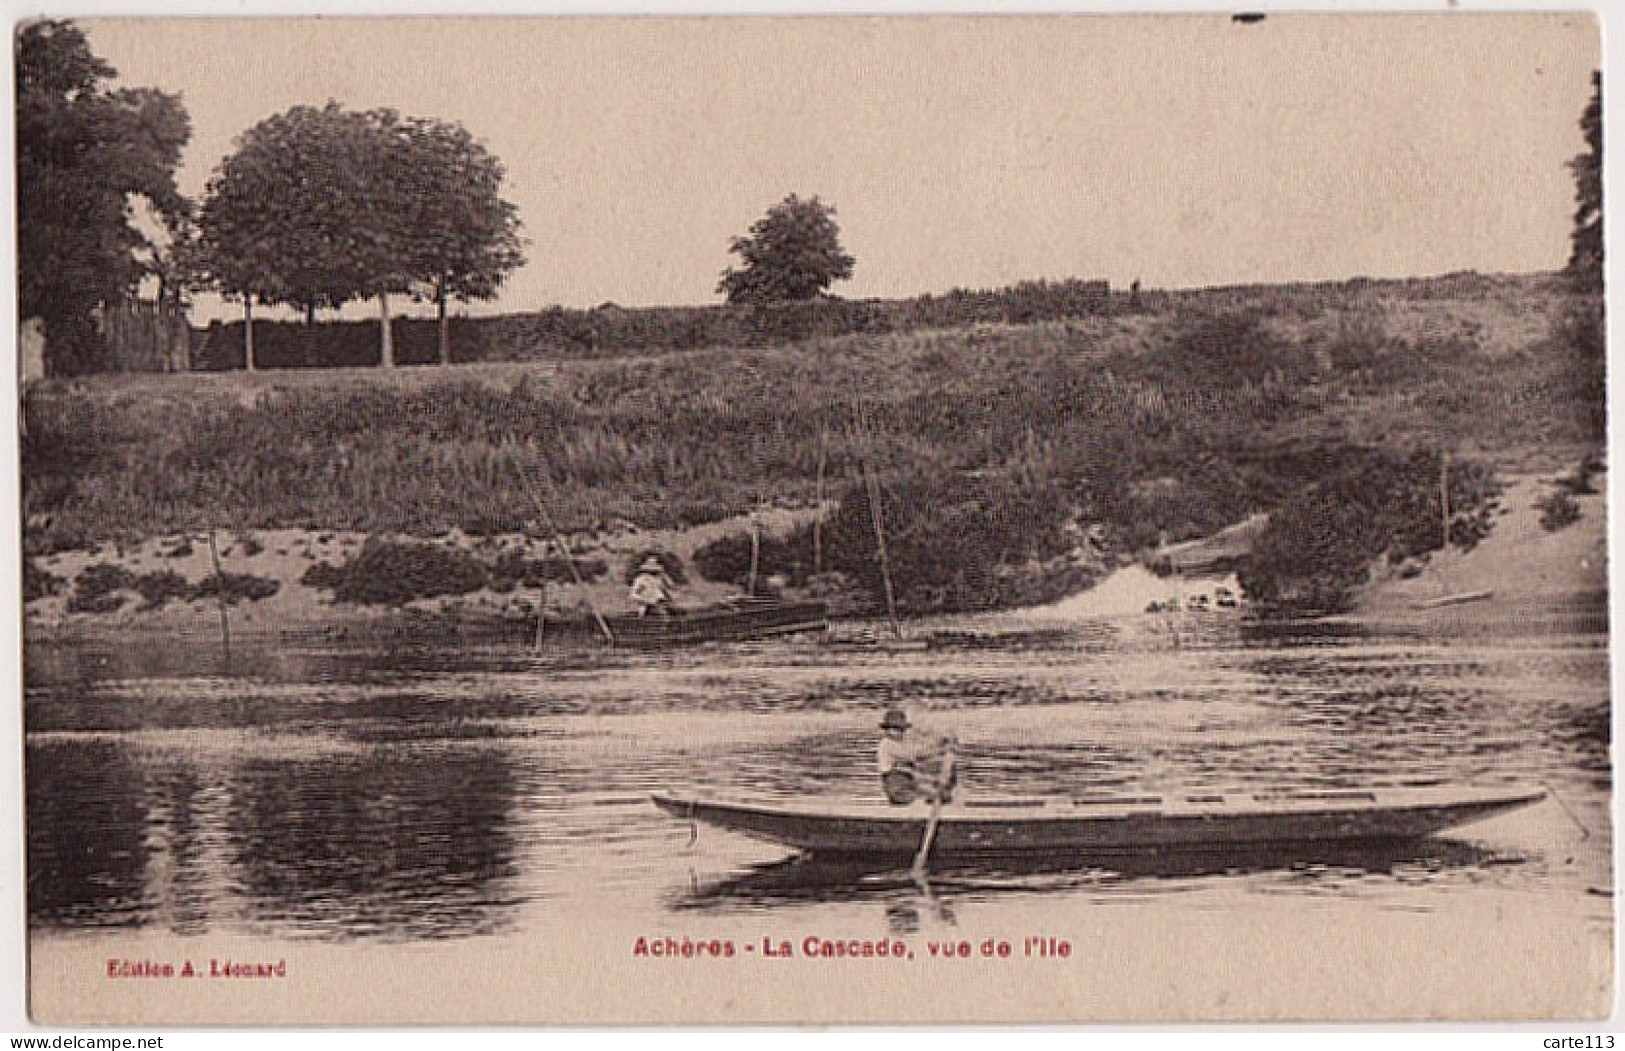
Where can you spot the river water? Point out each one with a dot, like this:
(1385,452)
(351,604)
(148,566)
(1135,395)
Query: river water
(418,798)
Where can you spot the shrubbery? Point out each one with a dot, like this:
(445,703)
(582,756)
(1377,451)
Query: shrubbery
(157,588)
(235,587)
(324,576)
(951,538)
(389,572)
(101,588)
(1319,545)
(1229,350)
(610,330)
(38,582)
(1558,511)
(726,560)
(1167,426)
(1582,480)
(394,572)
(512,569)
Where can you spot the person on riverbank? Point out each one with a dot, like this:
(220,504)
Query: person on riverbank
(914,765)
(651,589)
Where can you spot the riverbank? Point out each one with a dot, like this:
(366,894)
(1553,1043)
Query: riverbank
(1523,573)
(299,607)
(1522,576)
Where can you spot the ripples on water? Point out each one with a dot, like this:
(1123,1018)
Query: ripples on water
(414,795)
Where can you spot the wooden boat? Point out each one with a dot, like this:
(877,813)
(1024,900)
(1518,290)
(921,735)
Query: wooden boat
(1109,824)
(727,622)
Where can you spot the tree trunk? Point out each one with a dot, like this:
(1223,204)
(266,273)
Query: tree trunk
(248,331)
(386,339)
(445,325)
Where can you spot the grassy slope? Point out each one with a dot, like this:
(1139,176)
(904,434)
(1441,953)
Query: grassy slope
(679,439)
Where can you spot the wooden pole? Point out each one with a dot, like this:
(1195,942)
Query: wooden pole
(248,333)
(564,548)
(945,769)
(220,593)
(445,322)
(818,520)
(755,554)
(1444,498)
(386,337)
(877,517)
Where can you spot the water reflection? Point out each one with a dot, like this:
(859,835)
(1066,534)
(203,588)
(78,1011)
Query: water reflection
(76,877)
(386,843)
(412,794)
(372,843)
(1335,868)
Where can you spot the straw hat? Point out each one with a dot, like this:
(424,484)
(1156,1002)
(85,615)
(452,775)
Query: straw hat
(652,564)
(895,720)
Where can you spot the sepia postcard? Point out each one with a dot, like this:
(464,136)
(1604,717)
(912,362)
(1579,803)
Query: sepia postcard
(825,520)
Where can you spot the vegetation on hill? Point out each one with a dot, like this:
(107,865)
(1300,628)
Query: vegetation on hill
(609,330)
(995,446)
(792,253)
(1370,503)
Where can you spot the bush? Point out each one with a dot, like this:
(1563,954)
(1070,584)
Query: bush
(157,588)
(395,572)
(235,587)
(726,560)
(1360,344)
(98,588)
(1582,480)
(1320,543)
(1558,511)
(1228,350)
(39,582)
(950,538)
(512,569)
(325,575)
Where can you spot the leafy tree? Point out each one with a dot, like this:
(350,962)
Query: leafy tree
(295,216)
(1585,260)
(1320,543)
(319,207)
(466,236)
(951,538)
(792,253)
(88,159)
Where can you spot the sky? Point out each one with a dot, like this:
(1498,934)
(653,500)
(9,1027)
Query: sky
(958,152)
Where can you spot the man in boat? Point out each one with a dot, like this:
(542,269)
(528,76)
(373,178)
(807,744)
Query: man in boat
(914,765)
(651,589)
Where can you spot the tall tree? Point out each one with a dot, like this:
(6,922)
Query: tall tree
(1585,260)
(319,207)
(792,253)
(89,158)
(466,237)
(294,215)
(299,215)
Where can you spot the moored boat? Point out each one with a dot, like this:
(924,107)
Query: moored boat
(728,622)
(1109,824)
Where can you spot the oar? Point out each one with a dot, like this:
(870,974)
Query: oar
(944,773)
